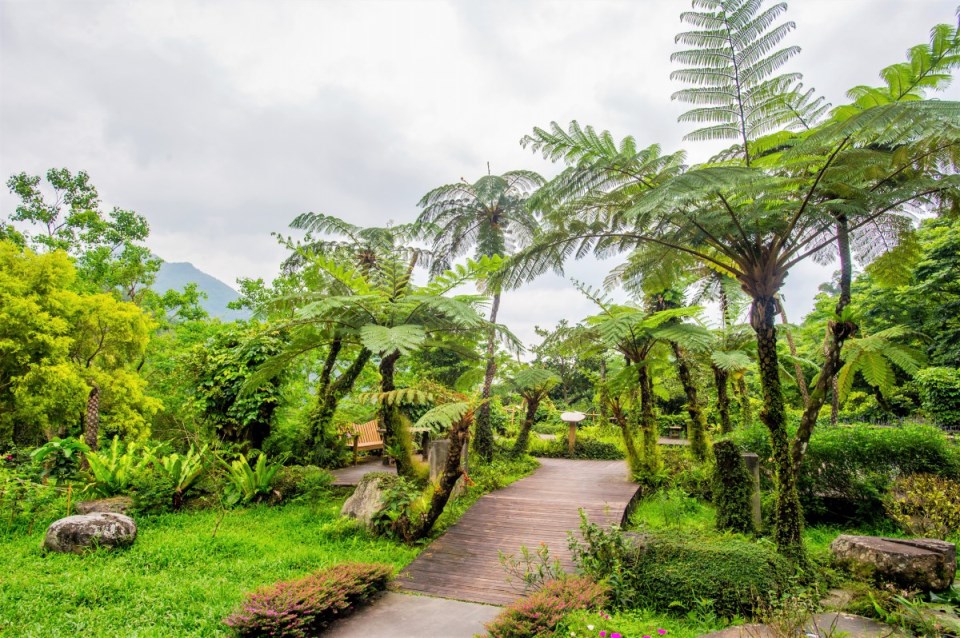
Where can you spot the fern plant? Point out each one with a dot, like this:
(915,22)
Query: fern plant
(114,470)
(183,470)
(248,483)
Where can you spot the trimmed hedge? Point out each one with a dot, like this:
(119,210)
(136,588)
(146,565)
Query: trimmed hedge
(940,393)
(539,613)
(584,448)
(303,607)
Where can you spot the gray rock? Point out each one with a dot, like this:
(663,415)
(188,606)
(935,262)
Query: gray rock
(920,564)
(77,534)
(369,498)
(116,504)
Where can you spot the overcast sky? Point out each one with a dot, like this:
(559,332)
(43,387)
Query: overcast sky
(220,121)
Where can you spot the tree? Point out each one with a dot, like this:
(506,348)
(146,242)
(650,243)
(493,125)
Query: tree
(108,248)
(490,216)
(767,204)
(533,385)
(382,312)
(67,360)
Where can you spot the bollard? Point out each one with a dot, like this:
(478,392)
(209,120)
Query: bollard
(752,461)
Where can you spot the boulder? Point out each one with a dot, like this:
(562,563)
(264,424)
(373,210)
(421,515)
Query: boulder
(116,504)
(920,563)
(369,499)
(77,534)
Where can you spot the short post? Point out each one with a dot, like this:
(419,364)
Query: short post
(752,461)
(437,457)
(572,418)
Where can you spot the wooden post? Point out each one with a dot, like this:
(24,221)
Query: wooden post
(572,438)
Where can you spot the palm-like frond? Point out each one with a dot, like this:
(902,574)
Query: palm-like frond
(383,339)
(874,356)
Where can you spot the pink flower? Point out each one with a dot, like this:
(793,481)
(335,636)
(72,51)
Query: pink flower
(603,633)
(662,632)
(615,636)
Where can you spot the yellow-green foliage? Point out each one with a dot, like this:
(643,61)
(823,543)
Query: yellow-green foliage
(55,343)
(925,505)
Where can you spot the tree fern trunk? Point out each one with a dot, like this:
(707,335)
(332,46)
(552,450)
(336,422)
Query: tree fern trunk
(648,422)
(746,414)
(523,438)
(633,457)
(838,330)
(788,515)
(483,440)
(697,428)
(720,379)
(414,529)
(397,439)
(91,418)
(328,397)
(797,369)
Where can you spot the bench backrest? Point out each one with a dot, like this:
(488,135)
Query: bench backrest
(367,433)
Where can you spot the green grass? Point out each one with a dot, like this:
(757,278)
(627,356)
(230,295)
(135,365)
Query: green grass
(635,623)
(177,579)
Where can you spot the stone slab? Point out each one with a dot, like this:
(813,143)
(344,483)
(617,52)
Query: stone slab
(397,615)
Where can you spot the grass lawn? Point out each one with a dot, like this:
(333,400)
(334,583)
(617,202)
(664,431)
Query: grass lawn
(177,579)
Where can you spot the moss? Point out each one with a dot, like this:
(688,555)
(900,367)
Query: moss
(733,487)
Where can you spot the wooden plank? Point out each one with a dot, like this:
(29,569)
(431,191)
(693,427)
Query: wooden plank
(464,563)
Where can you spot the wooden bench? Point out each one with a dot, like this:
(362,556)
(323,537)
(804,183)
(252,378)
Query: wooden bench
(366,437)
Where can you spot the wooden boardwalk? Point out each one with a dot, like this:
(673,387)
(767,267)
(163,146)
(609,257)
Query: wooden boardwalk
(464,563)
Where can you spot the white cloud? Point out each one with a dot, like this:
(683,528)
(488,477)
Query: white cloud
(221,121)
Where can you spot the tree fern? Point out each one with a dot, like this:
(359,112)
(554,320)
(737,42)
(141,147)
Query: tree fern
(732,65)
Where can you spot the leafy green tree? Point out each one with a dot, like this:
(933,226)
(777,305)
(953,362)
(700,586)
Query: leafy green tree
(490,216)
(65,215)
(66,359)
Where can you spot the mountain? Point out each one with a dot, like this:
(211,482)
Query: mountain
(177,275)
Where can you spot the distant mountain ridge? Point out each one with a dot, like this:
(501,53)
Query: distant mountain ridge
(176,275)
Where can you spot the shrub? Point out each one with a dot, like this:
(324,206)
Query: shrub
(60,458)
(847,470)
(925,505)
(302,482)
(940,394)
(541,612)
(677,575)
(585,448)
(305,606)
(153,492)
(733,487)
(26,505)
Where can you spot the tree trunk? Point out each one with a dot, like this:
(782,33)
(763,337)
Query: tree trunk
(788,515)
(798,370)
(746,414)
(697,428)
(91,418)
(413,530)
(648,421)
(720,379)
(397,439)
(329,395)
(603,398)
(633,457)
(483,441)
(523,439)
(834,401)
(838,330)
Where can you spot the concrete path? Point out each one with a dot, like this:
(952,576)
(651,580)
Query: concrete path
(406,616)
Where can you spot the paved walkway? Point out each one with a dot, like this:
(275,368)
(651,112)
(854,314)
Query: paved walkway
(406,616)
(464,564)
